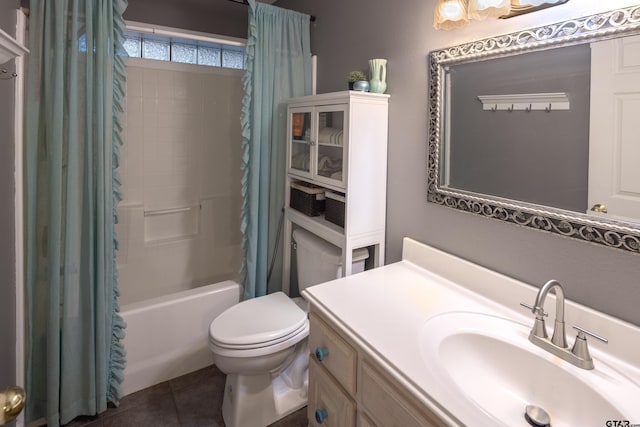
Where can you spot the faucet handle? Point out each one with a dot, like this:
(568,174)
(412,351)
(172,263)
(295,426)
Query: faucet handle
(530,307)
(539,329)
(581,349)
(582,332)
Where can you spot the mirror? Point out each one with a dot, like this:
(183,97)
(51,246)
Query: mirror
(537,128)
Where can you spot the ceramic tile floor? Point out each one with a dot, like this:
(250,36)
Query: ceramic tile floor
(193,400)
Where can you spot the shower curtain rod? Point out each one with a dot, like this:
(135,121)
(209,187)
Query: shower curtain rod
(245,2)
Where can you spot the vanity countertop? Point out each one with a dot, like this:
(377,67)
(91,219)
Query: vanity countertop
(385,309)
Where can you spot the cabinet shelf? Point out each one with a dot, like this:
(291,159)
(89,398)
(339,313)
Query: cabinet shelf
(319,226)
(297,177)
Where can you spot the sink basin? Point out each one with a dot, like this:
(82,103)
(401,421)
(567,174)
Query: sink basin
(485,371)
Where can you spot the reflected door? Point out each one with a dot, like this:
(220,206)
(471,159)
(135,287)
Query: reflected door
(614,141)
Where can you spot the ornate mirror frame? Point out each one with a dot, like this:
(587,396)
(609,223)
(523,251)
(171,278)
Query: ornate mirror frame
(599,230)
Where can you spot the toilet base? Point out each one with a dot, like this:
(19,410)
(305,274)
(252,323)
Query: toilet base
(259,400)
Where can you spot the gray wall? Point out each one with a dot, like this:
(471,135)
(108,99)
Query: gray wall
(220,17)
(7,206)
(535,156)
(345,35)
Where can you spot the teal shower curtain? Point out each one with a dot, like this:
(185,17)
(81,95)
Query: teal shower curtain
(278,68)
(75,86)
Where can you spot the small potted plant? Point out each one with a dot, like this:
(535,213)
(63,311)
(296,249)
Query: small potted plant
(356,76)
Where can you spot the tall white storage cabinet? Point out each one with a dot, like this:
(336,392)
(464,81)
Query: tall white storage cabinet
(337,142)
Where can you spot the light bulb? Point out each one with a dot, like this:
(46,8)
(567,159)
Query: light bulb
(452,10)
(483,9)
(533,2)
(450,14)
(483,4)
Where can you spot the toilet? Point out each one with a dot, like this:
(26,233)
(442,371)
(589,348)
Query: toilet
(261,343)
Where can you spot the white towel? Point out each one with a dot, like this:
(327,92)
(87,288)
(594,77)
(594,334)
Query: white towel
(330,136)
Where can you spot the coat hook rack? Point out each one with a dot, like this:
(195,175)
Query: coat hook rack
(526,102)
(5,75)
(245,2)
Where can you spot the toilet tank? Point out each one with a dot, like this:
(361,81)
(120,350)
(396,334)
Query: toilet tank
(319,261)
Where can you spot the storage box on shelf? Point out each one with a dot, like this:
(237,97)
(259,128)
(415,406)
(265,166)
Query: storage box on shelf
(338,141)
(334,208)
(307,198)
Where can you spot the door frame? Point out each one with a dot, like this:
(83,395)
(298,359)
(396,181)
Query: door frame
(21,21)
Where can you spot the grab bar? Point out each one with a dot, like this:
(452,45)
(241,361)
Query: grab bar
(167,211)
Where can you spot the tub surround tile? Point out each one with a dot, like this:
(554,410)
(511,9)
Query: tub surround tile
(182,129)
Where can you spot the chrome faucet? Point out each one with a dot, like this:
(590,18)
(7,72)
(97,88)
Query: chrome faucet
(579,354)
(559,337)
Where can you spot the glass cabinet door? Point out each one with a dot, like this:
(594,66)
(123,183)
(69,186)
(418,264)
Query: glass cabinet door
(300,146)
(330,145)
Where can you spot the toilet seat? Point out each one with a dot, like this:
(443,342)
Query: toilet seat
(248,352)
(259,326)
(260,344)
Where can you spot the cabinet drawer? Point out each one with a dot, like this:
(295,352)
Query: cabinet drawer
(329,405)
(388,405)
(338,357)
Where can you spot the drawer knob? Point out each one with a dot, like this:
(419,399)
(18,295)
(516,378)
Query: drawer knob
(321,353)
(321,415)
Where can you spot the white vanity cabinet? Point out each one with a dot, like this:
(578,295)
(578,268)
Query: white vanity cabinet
(415,342)
(338,142)
(347,388)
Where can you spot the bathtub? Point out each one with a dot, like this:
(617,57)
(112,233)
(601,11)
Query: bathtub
(168,336)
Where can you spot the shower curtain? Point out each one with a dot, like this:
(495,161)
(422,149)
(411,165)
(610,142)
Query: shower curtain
(278,68)
(75,87)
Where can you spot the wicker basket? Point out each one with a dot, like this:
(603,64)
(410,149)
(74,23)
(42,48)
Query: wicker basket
(307,198)
(334,208)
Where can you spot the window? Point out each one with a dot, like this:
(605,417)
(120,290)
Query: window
(162,48)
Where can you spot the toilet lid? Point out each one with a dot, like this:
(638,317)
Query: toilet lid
(258,320)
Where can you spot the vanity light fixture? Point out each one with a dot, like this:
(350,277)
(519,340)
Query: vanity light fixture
(451,14)
(483,9)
